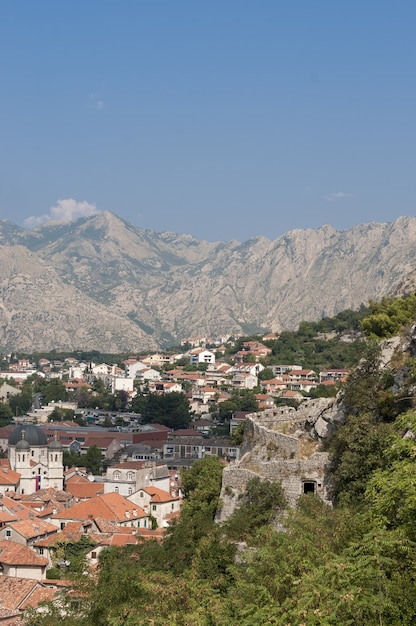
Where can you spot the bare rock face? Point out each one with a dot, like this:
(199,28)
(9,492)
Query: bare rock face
(124,287)
(39,311)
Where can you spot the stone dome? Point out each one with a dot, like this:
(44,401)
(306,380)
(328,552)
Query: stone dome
(22,445)
(55,445)
(32,434)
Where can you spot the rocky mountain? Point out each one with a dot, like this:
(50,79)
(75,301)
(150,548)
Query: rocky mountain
(102,283)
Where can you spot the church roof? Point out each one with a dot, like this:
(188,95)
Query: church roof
(32,434)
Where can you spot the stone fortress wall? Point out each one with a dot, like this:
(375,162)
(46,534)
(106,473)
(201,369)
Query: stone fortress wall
(283,444)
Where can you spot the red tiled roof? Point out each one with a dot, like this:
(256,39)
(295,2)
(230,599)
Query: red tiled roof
(14,507)
(158,495)
(8,476)
(110,506)
(14,591)
(118,539)
(33,528)
(86,490)
(13,553)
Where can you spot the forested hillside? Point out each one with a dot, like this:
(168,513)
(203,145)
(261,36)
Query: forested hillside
(350,563)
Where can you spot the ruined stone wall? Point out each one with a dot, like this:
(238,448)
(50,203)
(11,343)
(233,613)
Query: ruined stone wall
(283,445)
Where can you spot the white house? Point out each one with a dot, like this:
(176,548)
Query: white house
(133,368)
(157,503)
(21,562)
(199,355)
(126,478)
(244,381)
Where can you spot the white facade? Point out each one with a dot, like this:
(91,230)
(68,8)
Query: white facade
(201,356)
(39,464)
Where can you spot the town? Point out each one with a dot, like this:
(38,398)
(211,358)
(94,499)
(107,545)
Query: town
(93,451)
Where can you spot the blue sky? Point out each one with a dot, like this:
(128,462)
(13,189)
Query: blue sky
(222,119)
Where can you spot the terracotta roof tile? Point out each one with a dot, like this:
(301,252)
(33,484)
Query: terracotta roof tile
(13,553)
(8,476)
(41,594)
(85,490)
(159,495)
(33,528)
(14,591)
(16,508)
(110,506)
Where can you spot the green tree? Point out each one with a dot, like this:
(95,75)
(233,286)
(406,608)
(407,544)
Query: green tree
(260,504)
(21,403)
(357,449)
(60,415)
(170,409)
(54,391)
(93,460)
(201,485)
(266,374)
(71,459)
(6,413)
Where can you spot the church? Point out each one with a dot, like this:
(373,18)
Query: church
(39,463)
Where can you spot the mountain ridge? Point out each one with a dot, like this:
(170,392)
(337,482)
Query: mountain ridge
(160,286)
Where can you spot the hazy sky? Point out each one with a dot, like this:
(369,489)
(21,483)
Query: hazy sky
(224,119)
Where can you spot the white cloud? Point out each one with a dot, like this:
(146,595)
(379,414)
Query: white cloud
(339,195)
(63,211)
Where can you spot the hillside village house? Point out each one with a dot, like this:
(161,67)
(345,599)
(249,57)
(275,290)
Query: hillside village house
(125,478)
(247,368)
(157,503)
(7,391)
(27,532)
(199,355)
(16,560)
(274,386)
(278,370)
(333,374)
(244,381)
(158,360)
(147,374)
(296,375)
(110,506)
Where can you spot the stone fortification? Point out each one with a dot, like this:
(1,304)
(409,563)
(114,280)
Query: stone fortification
(283,444)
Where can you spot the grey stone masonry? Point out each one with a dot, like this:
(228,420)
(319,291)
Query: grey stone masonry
(283,444)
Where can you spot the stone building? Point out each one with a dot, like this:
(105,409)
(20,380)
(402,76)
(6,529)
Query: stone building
(38,462)
(283,444)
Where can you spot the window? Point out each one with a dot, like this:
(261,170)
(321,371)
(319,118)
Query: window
(141,494)
(41,551)
(153,507)
(93,555)
(62,525)
(116,489)
(116,475)
(8,533)
(309,486)
(144,523)
(129,475)
(130,491)
(172,506)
